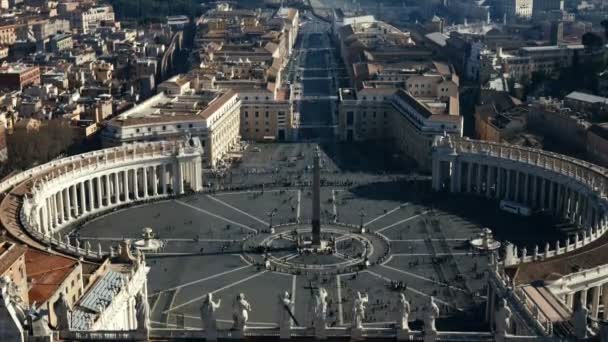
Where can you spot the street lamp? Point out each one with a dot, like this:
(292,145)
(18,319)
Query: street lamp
(271,214)
(361,216)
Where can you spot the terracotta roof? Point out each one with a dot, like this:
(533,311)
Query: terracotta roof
(9,253)
(46,273)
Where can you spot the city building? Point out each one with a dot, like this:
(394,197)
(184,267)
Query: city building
(18,76)
(389,114)
(89,20)
(212,116)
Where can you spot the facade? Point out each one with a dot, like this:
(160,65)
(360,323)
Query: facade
(264,117)
(395,115)
(61,42)
(597,144)
(8,34)
(211,116)
(18,76)
(89,20)
(12,266)
(518,8)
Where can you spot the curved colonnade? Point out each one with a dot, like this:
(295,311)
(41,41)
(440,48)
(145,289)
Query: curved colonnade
(567,188)
(50,197)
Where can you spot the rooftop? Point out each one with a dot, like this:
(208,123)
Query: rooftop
(9,253)
(46,273)
(584,97)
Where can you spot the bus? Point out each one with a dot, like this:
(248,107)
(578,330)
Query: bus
(515,208)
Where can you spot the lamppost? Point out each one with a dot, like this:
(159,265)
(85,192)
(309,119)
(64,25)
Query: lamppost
(361,216)
(271,214)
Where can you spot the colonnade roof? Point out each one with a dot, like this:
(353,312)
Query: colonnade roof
(583,258)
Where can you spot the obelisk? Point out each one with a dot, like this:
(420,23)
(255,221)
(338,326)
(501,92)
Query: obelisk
(316,200)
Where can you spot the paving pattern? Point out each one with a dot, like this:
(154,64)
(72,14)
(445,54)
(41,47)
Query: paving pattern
(428,233)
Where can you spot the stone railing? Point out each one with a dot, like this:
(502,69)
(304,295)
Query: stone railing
(515,255)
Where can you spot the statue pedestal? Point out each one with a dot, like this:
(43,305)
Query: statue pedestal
(430,336)
(500,337)
(284,332)
(320,332)
(238,334)
(356,334)
(211,335)
(403,334)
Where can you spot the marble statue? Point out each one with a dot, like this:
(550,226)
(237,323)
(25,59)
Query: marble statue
(403,313)
(502,320)
(62,312)
(579,319)
(358,313)
(209,317)
(431,312)
(142,312)
(240,315)
(284,307)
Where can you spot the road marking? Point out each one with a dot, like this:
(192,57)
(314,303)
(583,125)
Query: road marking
(200,280)
(402,205)
(409,288)
(429,254)
(215,291)
(422,240)
(400,222)
(215,215)
(238,210)
(424,278)
(340,316)
(298,210)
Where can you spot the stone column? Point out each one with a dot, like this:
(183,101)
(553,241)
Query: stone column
(479,170)
(469,177)
(61,208)
(498,182)
(436,174)
(163,178)
(91,195)
(534,191)
(136,183)
(55,211)
(44,219)
(508,189)
(125,175)
(516,185)
(605,300)
(526,188)
(489,179)
(568,300)
(117,187)
(584,297)
(99,198)
(543,192)
(595,302)
(83,200)
(155,180)
(74,201)
(145,170)
(178,178)
(108,192)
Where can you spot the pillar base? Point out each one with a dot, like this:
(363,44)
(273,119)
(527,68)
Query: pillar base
(430,336)
(403,334)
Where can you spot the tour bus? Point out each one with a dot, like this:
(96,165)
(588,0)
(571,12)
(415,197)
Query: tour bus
(515,208)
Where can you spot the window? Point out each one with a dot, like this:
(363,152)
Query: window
(246,114)
(257,114)
(179,126)
(190,125)
(164,128)
(267,114)
(149,129)
(137,130)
